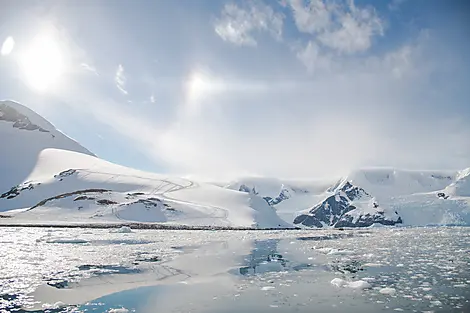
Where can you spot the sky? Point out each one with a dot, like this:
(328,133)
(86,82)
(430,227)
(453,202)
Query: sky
(289,88)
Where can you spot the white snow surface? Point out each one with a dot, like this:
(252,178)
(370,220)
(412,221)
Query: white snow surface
(461,186)
(271,187)
(128,193)
(390,182)
(20,147)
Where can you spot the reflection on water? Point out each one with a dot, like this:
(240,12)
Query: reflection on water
(133,300)
(426,268)
(265,258)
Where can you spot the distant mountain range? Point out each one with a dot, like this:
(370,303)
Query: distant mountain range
(46,177)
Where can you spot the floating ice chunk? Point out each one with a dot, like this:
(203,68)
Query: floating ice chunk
(388,291)
(339,252)
(325,250)
(460,285)
(120,310)
(338,282)
(268,288)
(398,309)
(122,230)
(368,279)
(360,284)
(436,302)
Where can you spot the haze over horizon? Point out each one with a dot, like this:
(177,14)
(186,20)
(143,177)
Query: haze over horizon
(288,88)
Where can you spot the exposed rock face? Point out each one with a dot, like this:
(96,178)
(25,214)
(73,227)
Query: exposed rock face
(326,212)
(283,195)
(247,189)
(349,206)
(367,220)
(19,120)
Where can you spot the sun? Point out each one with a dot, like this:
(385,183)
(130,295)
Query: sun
(42,63)
(198,86)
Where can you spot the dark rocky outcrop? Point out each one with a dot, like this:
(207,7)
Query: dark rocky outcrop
(335,210)
(327,212)
(366,220)
(19,120)
(247,189)
(283,195)
(105,202)
(16,190)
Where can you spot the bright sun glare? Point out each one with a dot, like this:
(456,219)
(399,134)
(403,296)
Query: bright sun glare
(198,86)
(42,63)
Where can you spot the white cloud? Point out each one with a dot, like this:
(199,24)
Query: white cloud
(313,17)
(313,58)
(359,111)
(237,24)
(356,30)
(89,68)
(120,79)
(7,46)
(344,28)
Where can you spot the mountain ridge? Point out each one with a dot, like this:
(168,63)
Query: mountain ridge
(54,177)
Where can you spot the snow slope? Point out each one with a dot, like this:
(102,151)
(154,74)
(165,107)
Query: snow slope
(23,135)
(75,187)
(392,195)
(288,197)
(390,182)
(461,185)
(419,197)
(47,177)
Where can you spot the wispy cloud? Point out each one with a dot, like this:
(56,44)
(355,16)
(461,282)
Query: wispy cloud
(357,27)
(120,79)
(357,107)
(238,24)
(345,28)
(89,68)
(312,57)
(311,17)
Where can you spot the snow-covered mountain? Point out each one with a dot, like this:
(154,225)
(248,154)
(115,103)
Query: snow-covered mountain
(370,196)
(23,135)
(348,206)
(49,178)
(288,197)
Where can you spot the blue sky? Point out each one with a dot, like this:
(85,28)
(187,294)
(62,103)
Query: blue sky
(291,88)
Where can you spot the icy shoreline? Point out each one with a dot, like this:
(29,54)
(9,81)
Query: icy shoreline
(143,226)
